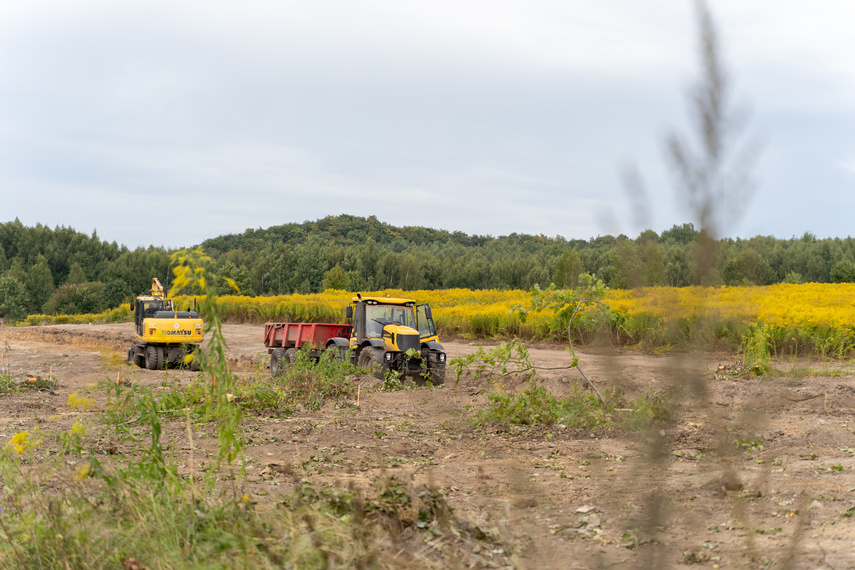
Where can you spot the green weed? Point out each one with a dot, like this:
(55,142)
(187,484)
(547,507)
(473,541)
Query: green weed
(748,444)
(756,350)
(537,405)
(8,384)
(646,411)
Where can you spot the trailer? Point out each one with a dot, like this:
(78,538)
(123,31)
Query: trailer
(283,340)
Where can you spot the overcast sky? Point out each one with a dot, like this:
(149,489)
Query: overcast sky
(167,123)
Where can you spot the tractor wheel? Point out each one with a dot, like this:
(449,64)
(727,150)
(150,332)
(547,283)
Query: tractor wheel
(436,375)
(371,358)
(153,358)
(340,351)
(276,361)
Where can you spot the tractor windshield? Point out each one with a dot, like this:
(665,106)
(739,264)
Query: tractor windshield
(378,316)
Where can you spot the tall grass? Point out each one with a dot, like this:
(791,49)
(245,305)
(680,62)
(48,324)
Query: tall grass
(69,504)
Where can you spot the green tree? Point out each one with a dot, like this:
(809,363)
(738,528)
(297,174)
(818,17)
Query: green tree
(748,268)
(336,278)
(16,270)
(625,265)
(40,285)
(682,235)
(568,269)
(843,271)
(653,268)
(13,298)
(75,275)
(677,266)
(116,292)
(240,276)
(794,278)
(311,266)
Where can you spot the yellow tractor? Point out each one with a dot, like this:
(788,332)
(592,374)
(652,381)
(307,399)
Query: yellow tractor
(395,334)
(164,336)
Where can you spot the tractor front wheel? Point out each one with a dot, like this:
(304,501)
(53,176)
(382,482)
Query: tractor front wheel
(371,358)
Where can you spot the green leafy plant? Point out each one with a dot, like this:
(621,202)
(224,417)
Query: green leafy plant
(647,410)
(571,308)
(537,405)
(392,381)
(8,384)
(192,276)
(748,444)
(757,350)
(504,360)
(307,382)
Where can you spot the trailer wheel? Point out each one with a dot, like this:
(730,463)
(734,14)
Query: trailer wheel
(290,356)
(276,361)
(371,359)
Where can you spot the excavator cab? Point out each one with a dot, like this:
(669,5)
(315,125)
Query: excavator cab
(145,308)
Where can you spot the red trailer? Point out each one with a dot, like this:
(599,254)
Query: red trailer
(284,339)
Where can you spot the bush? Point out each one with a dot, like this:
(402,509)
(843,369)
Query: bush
(75,298)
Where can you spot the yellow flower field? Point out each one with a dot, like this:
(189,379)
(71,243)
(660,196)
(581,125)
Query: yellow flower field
(809,317)
(783,305)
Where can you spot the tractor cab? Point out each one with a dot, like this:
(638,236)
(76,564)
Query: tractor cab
(398,322)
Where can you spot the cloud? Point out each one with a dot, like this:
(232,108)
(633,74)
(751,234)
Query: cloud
(485,117)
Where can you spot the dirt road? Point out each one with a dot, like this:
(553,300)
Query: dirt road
(752,472)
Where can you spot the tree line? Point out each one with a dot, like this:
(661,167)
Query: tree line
(62,271)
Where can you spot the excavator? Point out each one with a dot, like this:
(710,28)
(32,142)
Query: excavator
(165,338)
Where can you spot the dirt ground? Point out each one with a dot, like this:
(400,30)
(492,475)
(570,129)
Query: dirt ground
(753,472)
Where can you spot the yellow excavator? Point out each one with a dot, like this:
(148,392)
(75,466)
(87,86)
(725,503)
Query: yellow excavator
(165,338)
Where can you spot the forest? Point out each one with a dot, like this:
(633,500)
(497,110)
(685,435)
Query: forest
(63,271)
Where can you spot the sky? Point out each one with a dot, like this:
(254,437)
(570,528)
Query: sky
(170,122)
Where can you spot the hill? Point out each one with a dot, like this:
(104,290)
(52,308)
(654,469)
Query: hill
(61,270)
